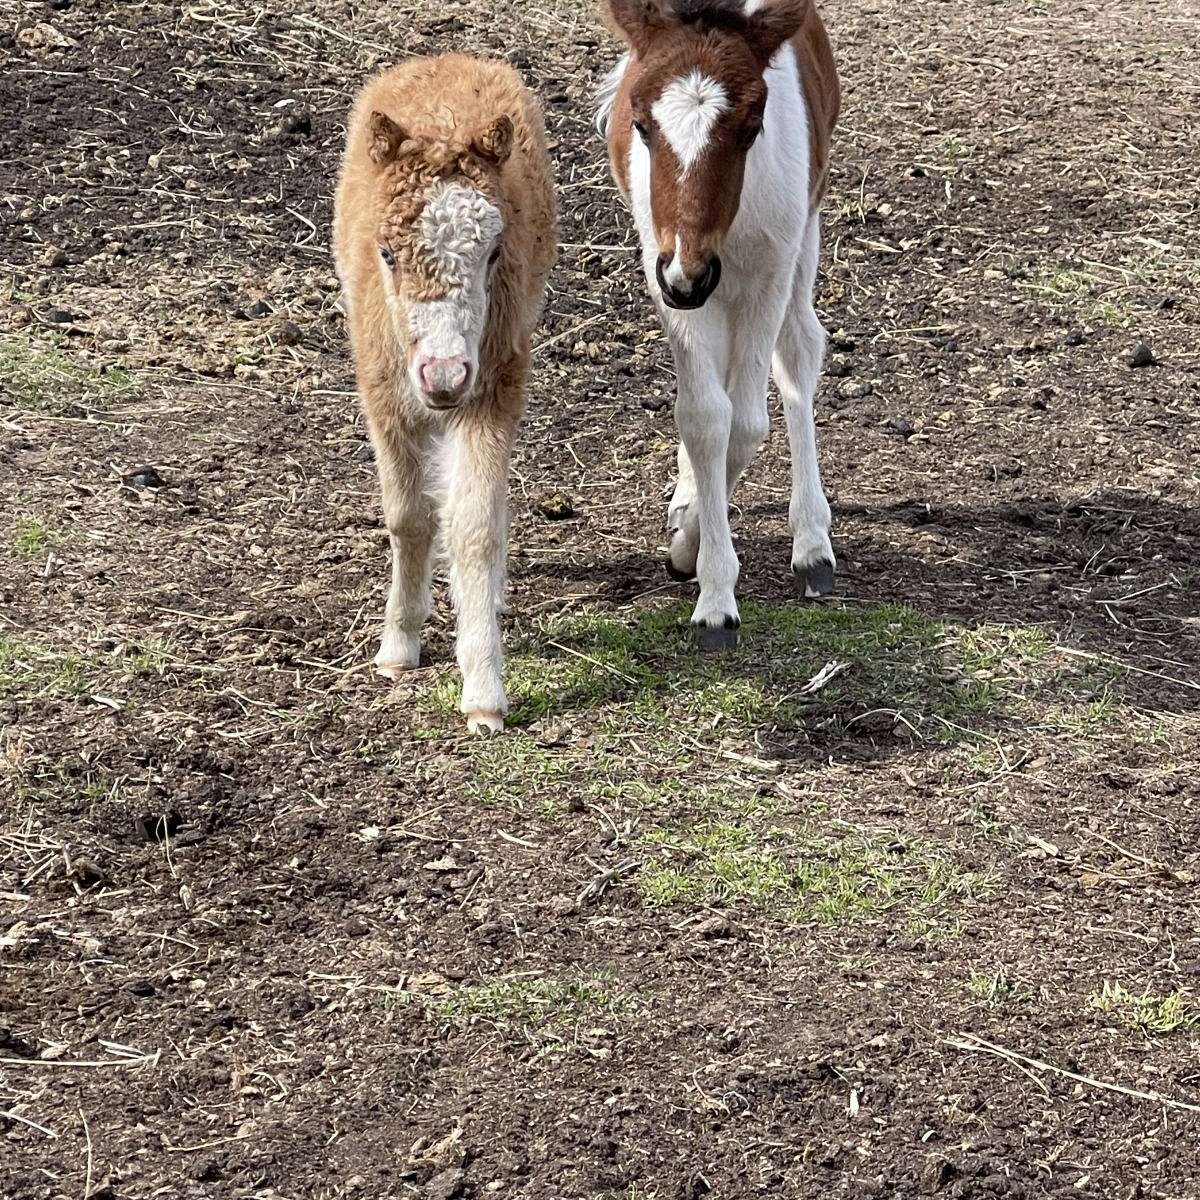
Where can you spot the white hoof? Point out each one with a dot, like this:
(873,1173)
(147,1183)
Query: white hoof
(399,652)
(484,723)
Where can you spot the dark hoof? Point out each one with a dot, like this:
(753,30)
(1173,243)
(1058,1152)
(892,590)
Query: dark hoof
(678,575)
(816,580)
(714,641)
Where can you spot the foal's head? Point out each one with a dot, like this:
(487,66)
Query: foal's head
(697,98)
(439,241)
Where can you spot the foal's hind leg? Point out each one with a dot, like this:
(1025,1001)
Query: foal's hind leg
(799,353)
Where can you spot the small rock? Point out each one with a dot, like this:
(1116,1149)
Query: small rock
(837,368)
(258,310)
(854,390)
(86,873)
(442,865)
(56,257)
(58,316)
(555,507)
(290,334)
(903,426)
(446,1185)
(1141,356)
(144,477)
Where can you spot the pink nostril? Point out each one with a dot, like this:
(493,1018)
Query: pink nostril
(442,375)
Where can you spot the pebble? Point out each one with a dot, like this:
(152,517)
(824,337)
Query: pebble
(555,507)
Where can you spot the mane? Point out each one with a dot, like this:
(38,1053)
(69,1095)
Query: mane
(606,94)
(710,14)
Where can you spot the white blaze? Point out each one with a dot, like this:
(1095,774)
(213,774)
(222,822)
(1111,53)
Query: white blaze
(687,112)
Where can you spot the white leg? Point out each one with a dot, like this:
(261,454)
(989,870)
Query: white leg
(475,518)
(752,339)
(411,524)
(797,368)
(700,342)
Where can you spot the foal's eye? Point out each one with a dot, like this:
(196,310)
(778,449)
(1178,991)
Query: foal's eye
(388,257)
(642,132)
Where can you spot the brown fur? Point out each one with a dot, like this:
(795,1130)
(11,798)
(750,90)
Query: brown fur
(428,120)
(443,115)
(714,37)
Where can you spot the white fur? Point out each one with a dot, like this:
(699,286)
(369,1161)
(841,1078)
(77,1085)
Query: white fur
(606,94)
(459,229)
(687,112)
(723,351)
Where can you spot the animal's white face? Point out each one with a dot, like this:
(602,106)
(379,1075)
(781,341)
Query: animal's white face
(457,238)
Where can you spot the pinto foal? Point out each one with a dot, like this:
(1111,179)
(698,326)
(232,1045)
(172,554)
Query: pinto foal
(718,123)
(444,235)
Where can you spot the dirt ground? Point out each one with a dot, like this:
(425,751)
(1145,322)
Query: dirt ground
(900,899)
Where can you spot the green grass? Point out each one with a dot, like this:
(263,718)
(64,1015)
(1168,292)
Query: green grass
(28,670)
(931,676)
(1147,1013)
(31,538)
(41,379)
(803,873)
(525,1003)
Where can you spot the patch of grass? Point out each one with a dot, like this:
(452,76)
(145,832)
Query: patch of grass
(28,670)
(1146,1013)
(802,873)
(522,1002)
(31,538)
(41,379)
(990,988)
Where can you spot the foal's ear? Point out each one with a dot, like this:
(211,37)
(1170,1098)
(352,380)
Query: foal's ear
(494,144)
(386,138)
(773,24)
(638,20)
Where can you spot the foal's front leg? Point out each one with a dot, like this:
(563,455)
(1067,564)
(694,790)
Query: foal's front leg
(704,414)
(476,528)
(402,460)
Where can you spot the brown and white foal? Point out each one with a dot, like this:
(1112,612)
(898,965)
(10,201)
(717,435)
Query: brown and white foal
(444,235)
(718,123)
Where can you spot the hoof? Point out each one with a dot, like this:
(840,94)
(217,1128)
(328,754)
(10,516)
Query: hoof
(485,723)
(816,579)
(714,639)
(393,670)
(678,575)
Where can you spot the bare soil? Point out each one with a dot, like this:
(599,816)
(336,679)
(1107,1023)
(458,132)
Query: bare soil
(924,923)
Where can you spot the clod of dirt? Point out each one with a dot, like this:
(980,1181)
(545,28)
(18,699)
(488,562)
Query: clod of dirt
(14,1043)
(86,873)
(144,477)
(1141,356)
(56,257)
(854,390)
(364,453)
(157,827)
(258,310)
(290,334)
(903,426)
(710,927)
(296,124)
(654,403)
(57,316)
(442,864)
(43,37)
(555,507)
(837,368)
(446,1185)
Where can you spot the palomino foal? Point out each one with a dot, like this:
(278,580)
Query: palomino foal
(718,123)
(444,232)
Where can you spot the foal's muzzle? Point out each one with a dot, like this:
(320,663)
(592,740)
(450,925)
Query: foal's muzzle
(692,292)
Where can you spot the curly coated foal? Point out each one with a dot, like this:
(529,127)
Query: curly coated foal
(444,235)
